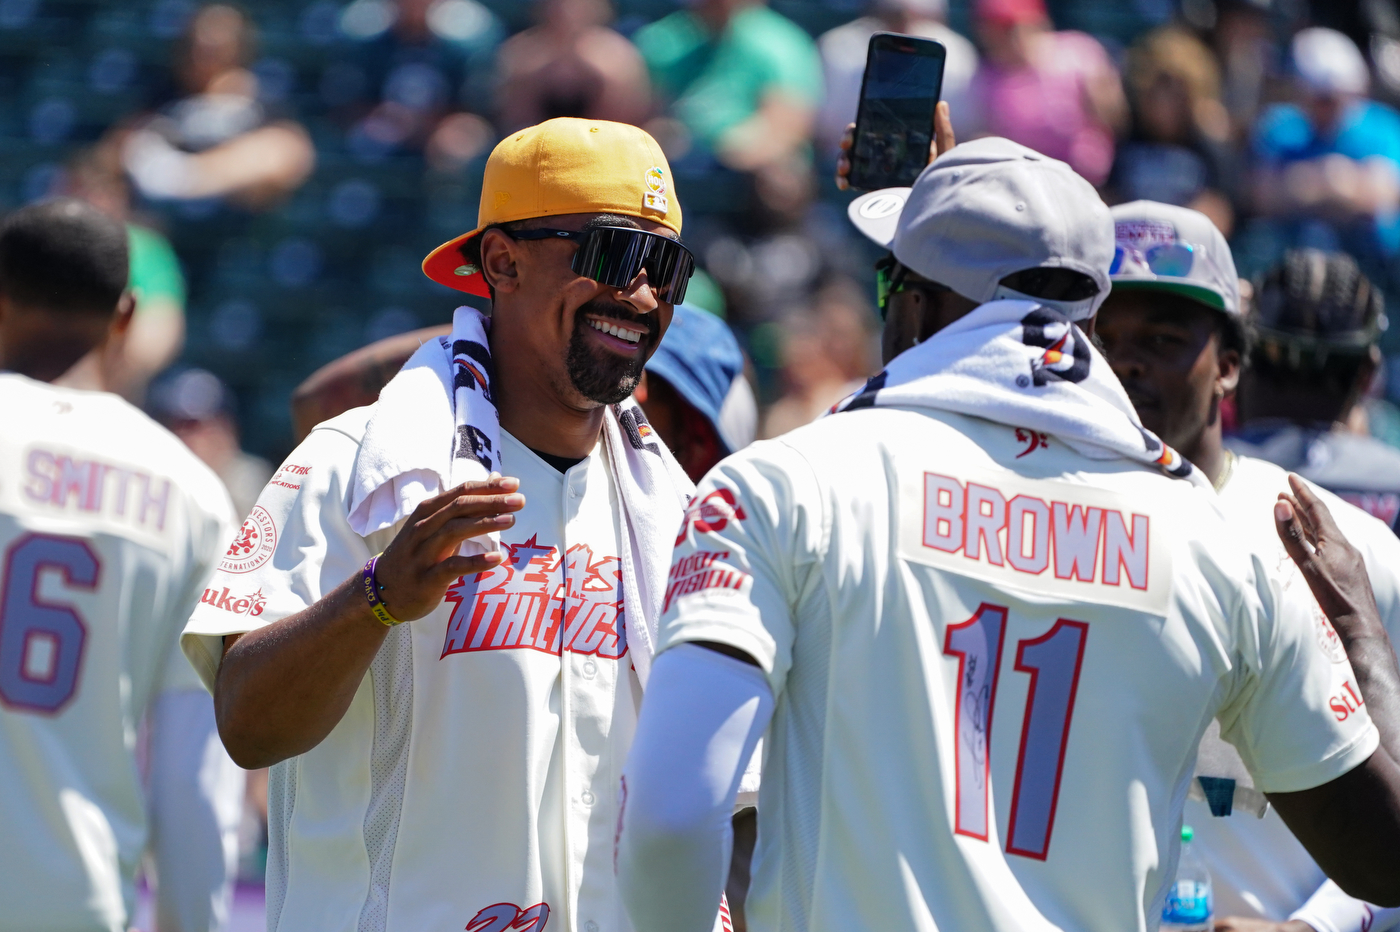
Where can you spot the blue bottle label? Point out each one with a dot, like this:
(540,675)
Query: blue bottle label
(1188,903)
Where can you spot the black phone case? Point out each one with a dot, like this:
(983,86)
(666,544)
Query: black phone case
(860,177)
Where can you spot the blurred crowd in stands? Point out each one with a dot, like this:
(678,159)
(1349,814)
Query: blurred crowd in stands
(284,165)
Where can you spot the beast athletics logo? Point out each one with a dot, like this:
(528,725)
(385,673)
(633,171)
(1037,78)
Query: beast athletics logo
(253,545)
(1066,353)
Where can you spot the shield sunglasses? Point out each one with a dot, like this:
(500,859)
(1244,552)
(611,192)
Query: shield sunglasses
(615,256)
(1173,260)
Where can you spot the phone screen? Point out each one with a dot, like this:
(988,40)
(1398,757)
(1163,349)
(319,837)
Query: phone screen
(894,127)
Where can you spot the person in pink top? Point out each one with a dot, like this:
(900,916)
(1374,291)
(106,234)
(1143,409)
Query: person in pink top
(1056,92)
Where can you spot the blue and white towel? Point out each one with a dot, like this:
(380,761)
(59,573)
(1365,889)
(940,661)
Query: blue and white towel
(1025,365)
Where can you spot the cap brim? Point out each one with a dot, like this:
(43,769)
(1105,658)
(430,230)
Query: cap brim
(1204,295)
(447,266)
(876,214)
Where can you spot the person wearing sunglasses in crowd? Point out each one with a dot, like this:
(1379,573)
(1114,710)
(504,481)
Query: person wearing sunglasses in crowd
(984,618)
(446,721)
(1174,330)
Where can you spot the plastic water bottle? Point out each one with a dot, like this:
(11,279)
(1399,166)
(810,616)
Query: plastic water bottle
(1190,904)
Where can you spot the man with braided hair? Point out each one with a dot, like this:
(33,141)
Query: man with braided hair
(1318,321)
(1174,331)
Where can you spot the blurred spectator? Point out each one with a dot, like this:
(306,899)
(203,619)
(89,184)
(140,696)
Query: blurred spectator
(571,65)
(1318,320)
(695,394)
(743,81)
(354,379)
(219,141)
(843,51)
(826,356)
(198,408)
(1056,92)
(769,263)
(417,78)
(1245,44)
(1179,149)
(157,331)
(1334,157)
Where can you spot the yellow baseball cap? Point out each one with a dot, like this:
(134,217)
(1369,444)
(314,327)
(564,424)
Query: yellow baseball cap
(563,166)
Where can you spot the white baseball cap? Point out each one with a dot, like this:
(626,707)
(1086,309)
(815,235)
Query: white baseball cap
(1166,248)
(1328,62)
(986,209)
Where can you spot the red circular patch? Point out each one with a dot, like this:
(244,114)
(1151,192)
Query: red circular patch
(254,544)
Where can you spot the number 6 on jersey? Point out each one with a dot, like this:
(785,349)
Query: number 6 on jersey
(1053,661)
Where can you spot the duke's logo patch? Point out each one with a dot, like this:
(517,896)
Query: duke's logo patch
(253,545)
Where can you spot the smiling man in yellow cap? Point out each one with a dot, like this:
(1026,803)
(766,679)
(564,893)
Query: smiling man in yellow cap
(507,498)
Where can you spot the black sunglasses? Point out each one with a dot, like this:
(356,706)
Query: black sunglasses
(614,256)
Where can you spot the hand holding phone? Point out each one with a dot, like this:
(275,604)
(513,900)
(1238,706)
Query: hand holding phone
(898,99)
(943,139)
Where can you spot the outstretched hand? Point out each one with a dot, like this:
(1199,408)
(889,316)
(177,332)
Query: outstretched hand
(943,140)
(1333,568)
(422,561)
(1242,924)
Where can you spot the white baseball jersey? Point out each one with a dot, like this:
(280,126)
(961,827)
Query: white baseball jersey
(473,781)
(993,660)
(109,527)
(1259,869)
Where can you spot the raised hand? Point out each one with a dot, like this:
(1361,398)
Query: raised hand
(943,140)
(422,561)
(1333,568)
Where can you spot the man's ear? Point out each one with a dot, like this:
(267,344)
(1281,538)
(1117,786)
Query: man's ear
(1227,377)
(121,319)
(1366,373)
(498,261)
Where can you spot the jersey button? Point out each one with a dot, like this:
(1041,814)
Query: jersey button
(590,669)
(590,926)
(573,491)
(587,798)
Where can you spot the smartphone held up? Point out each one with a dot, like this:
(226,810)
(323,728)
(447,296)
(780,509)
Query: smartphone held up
(894,125)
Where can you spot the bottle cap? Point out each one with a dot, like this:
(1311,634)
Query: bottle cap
(1186,833)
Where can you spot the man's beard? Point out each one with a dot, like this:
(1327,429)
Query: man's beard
(601,376)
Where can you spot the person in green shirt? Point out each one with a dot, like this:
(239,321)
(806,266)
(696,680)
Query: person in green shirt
(157,331)
(745,81)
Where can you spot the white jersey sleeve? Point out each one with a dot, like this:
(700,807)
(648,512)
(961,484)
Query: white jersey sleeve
(1296,715)
(295,545)
(747,556)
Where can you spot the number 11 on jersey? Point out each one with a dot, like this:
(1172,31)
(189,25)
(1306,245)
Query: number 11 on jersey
(1053,661)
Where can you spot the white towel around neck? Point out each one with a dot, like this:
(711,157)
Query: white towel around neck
(436,426)
(1024,365)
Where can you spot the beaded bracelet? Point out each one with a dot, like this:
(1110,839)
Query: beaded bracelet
(371,587)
